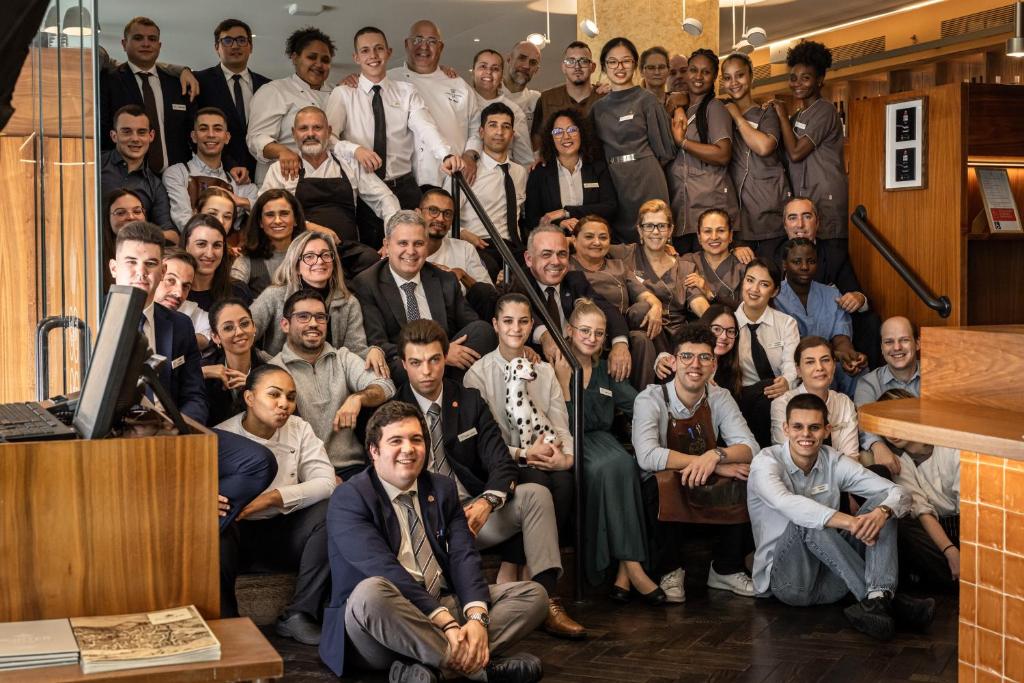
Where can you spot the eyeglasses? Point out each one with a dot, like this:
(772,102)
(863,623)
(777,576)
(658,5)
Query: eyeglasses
(429,41)
(303,317)
(655,227)
(559,132)
(310,259)
(228,41)
(434,212)
(245,324)
(656,67)
(573,62)
(124,213)
(598,335)
(613,63)
(687,357)
(718,331)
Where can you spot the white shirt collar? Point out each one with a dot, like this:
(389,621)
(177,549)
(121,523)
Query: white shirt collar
(574,171)
(366,85)
(201,165)
(425,403)
(399,280)
(490,163)
(229,75)
(767,318)
(137,70)
(393,491)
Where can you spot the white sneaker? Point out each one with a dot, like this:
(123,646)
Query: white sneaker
(672,584)
(739,583)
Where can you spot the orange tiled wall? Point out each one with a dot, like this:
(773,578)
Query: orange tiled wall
(992,569)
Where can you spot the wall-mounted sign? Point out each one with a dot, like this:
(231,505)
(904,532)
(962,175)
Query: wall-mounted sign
(906,160)
(1000,206)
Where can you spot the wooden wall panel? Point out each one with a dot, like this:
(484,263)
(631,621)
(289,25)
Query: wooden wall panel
(995,281)
(982,366)
(923,226)
(996,127)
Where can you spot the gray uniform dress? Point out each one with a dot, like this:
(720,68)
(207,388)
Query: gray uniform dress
(632,122)
(723,281)
(697,185)
(822,174)
(760,182)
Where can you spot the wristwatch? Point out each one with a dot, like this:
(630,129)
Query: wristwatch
(721,453)
(491,500)
(482,617)
(886,509)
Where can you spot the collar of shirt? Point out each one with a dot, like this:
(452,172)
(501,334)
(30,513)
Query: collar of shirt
(199,166)
(490,163)
(288,355)
(310,168)
(147,313)
(301,85)
(678,407)
(394,492)
(886,376)
(229,75)
(767,318)
(366,85)
(137,70)
(425,403)
(576,169)
(792,468)
(399,280)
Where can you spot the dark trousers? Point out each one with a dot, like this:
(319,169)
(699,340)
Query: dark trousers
(563,492)
(244,470)
(730,543)
(492,259)
(919,556)
(296,541)
(757,411)
(867,336)
(347,473)
(371,226)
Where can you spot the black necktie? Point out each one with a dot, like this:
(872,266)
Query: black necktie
(239,100)
(380,132)
(511,208)
(156,148)
(761,362)
(554,309)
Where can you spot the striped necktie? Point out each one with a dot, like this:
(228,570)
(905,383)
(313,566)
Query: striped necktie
(420,548)
(438,461)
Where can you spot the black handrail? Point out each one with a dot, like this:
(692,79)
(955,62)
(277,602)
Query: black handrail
(940,305)
(459,185)
(43,349)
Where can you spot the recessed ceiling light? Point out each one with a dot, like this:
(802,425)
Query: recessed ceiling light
(476,40)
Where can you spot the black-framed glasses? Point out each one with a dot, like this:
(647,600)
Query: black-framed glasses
(655,227)
(686,357)
(718,331)
(613,63)
(310,259)
(228,41)
(303,317)
(573,62)
(559,132)
(434,212)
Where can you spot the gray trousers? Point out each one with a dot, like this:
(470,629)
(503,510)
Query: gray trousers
(532,512)
(382,625)
(820,566)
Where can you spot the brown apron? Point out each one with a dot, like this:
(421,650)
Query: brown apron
(722,500)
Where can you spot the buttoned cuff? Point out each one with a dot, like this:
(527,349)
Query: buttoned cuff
(621,339)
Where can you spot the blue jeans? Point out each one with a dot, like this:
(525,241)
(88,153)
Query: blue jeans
(819,566)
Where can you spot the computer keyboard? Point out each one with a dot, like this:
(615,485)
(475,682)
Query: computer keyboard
(31,422)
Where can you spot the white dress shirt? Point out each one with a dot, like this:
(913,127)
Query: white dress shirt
(456,253)
(526,99)
(522,150)
(489,188)
(304,474)
(410,126)
(451,102)
(933,484)
(365,186)
(570,184)
(842,416)
(246,83)
(158,99)
(176,178)
(779,335)
(149,327)
(273,113)
(418,293)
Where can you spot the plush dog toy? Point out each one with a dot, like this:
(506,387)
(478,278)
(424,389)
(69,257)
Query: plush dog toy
(522,414)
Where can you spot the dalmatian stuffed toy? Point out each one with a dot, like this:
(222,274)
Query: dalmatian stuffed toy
(522,414)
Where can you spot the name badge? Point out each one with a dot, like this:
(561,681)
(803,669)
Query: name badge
(627,117)
(177,362)
(591,186)
(820,488)
(605,391)
(800,125)
(468,434)
(775,344)
(178,107)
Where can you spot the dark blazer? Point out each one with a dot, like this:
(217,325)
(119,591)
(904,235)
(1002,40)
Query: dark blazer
(214,91)
(119,87)
(543,195)
(384,306)
(176,341)
(363,539)
(472,441)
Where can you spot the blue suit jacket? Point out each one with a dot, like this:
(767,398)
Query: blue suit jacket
(214,92)
(363,539)
(176,341)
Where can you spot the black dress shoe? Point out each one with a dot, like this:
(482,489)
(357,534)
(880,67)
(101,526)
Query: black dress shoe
(300,627)
(518,668)
(619,594)
(873,617)
(916,613)
(655,597)
(410,673)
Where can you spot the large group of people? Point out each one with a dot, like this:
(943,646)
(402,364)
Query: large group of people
(389,400)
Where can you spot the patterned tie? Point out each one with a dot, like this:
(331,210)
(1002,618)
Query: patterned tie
(156,148)
(380,132)
(439,462)
(239,100)
(412,307)
(511,207)
(761,362)
(420,548)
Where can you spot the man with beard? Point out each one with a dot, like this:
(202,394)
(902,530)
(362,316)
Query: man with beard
(448,253)
(521,65)
(333,384)
(578,92)
(172,292)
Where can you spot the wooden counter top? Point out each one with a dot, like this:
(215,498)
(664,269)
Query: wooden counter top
(993,431)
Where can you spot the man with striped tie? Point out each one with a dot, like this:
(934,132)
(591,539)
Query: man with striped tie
(408,593)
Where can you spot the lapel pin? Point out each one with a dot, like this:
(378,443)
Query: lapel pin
(430,499)
(455,404)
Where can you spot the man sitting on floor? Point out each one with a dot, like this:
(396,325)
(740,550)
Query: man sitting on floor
(408,593)
(810,553)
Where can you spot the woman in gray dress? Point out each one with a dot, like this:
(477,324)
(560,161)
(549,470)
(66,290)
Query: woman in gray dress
(699,177)
(756,168)
(636,135)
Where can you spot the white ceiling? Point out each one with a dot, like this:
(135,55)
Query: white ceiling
(187,25)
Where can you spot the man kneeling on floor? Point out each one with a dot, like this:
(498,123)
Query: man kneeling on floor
(408,592)
(809,553)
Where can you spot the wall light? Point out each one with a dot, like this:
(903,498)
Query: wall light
(692,26)
(589,26)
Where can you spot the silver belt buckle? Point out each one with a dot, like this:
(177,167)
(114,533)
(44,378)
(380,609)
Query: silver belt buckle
(624,158)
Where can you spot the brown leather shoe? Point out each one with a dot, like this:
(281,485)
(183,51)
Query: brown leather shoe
(560,624)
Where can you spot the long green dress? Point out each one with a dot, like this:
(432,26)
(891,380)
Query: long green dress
(613,507)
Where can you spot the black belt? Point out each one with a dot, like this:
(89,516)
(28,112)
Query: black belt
(393,183)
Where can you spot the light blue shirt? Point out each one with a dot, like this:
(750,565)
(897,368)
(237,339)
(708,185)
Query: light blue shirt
(778,493)
(822,317)
(875,383)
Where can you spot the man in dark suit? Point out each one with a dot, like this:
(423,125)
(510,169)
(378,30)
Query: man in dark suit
(141,82)
(245,468)
(405,287)
(466,445)
(406,577)
(230,85)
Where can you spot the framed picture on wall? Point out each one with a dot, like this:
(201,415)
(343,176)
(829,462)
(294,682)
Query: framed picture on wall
(906,148)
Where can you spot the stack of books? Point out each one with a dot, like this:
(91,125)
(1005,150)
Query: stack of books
(31,644)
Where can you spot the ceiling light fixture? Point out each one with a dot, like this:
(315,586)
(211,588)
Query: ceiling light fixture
(51,24)
(690,25)
(755,35)
(77,22)
(1015,45)
(542,39)
(589,26)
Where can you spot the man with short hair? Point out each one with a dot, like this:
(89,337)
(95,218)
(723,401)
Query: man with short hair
(172,293)
(140,81)
(457,256)
(185,182)
(125,167)
(678,426)
(488,66)
(521,64)
(577,92)
(333,384)
(466,445)
(900,346)
(403,565)
(677,80)
(810,553)
(404,287)
(230,86)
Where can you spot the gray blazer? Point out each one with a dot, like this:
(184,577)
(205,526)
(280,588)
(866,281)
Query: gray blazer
(346,322)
